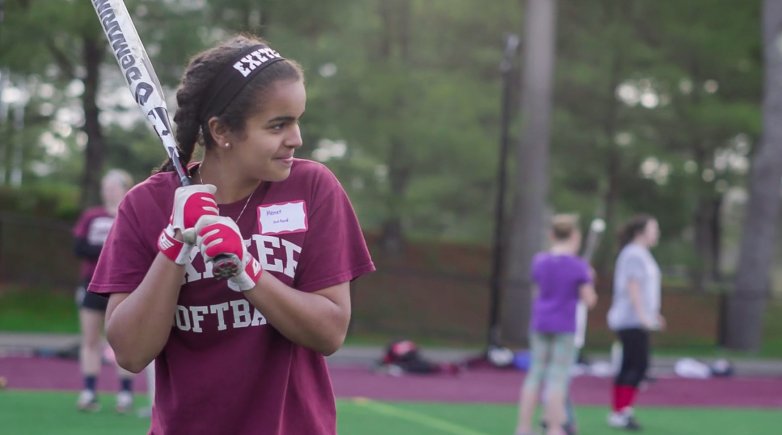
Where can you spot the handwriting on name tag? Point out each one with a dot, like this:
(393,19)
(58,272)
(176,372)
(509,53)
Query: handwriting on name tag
(282,218)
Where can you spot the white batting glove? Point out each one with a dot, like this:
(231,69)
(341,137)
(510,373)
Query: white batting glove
(190,204)
(219,236)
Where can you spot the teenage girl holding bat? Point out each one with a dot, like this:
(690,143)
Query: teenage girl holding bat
(243,355)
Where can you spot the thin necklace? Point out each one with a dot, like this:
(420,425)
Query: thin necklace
(245,203)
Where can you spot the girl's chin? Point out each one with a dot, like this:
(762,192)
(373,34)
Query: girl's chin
(278,175)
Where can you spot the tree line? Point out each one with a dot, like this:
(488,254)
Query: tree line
(651,106)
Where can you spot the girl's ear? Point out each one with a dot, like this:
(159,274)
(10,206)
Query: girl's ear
(219,131)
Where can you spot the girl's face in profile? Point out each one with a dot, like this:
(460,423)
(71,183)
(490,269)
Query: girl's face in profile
(266,147)
(652,232)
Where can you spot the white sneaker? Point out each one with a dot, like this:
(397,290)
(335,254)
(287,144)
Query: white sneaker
(124,402)
(624,420)
(617,419)
(87,401)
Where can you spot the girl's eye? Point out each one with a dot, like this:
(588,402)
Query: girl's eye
(283,124)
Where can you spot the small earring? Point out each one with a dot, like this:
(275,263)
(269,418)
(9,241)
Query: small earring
(227,144)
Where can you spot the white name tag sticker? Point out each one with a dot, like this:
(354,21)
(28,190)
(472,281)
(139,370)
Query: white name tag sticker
(282,218)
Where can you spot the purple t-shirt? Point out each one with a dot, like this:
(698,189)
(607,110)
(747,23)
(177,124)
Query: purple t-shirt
(93,227)
(558,278)
(224,369)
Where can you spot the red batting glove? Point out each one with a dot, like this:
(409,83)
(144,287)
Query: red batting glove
(190,204)
(218,236)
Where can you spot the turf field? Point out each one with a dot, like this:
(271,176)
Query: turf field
(44,412)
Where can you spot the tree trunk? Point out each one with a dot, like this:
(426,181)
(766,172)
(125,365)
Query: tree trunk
(748,301)
(395,47)
(532,176)
(94,153)
(707,240)
(392,236)
(716,238)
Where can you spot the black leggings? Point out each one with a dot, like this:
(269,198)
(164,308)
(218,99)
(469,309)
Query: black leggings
(635,356)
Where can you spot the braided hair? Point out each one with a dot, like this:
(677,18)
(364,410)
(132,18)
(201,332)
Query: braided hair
(201,71)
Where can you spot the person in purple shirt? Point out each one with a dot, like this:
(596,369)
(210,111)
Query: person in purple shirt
(560,279)
(243,355)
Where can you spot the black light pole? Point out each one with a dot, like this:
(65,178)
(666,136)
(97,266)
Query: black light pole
(506,69)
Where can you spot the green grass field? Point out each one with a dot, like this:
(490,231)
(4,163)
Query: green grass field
(34,310)
(27,412)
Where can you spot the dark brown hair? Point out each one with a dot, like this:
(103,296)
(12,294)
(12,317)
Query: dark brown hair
(633,227)
(198,77)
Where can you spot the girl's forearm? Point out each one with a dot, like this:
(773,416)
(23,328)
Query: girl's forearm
(317,320)
(138,324)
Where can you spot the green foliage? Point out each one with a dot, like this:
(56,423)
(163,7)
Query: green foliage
(58,201)
(33,27)
(38,310)
(413,89)
(135,149)
(423,111)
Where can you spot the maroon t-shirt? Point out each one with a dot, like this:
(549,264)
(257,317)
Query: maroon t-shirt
(92,228)
(224,369)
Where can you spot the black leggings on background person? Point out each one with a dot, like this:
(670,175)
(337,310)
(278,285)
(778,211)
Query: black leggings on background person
(635,357)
